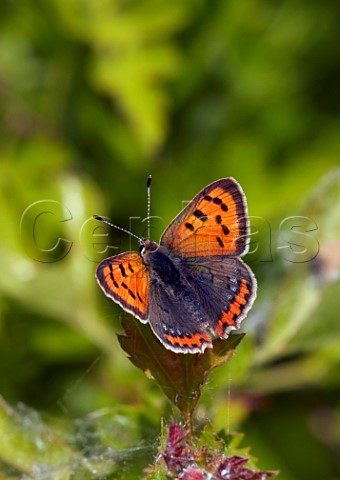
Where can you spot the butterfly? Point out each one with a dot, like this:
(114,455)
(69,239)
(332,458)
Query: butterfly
(192,286)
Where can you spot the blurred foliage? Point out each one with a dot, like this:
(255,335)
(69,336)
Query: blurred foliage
(94,96)
(94,448)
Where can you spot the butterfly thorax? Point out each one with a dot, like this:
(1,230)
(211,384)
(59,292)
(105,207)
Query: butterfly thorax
(161,266)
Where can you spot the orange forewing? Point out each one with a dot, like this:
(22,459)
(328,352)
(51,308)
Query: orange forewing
(126,280)
(215,222)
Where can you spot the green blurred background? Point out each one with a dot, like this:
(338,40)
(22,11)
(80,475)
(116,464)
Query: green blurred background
(94,96)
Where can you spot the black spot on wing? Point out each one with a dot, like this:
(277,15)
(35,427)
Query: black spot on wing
(122,269)
(132,294)
(113,280)
(225,229)
(139,298)
(219,240)
(218,201)
(199,214)
(112,277)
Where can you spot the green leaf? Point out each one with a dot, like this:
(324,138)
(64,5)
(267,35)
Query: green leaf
(181,376)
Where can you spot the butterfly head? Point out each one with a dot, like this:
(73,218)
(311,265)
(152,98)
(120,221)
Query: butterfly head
(148,247)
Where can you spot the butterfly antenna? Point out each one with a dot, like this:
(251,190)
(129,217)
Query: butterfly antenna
(148,187)
(101,219)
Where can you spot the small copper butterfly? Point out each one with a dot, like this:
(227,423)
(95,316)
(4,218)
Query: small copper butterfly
(193,285)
